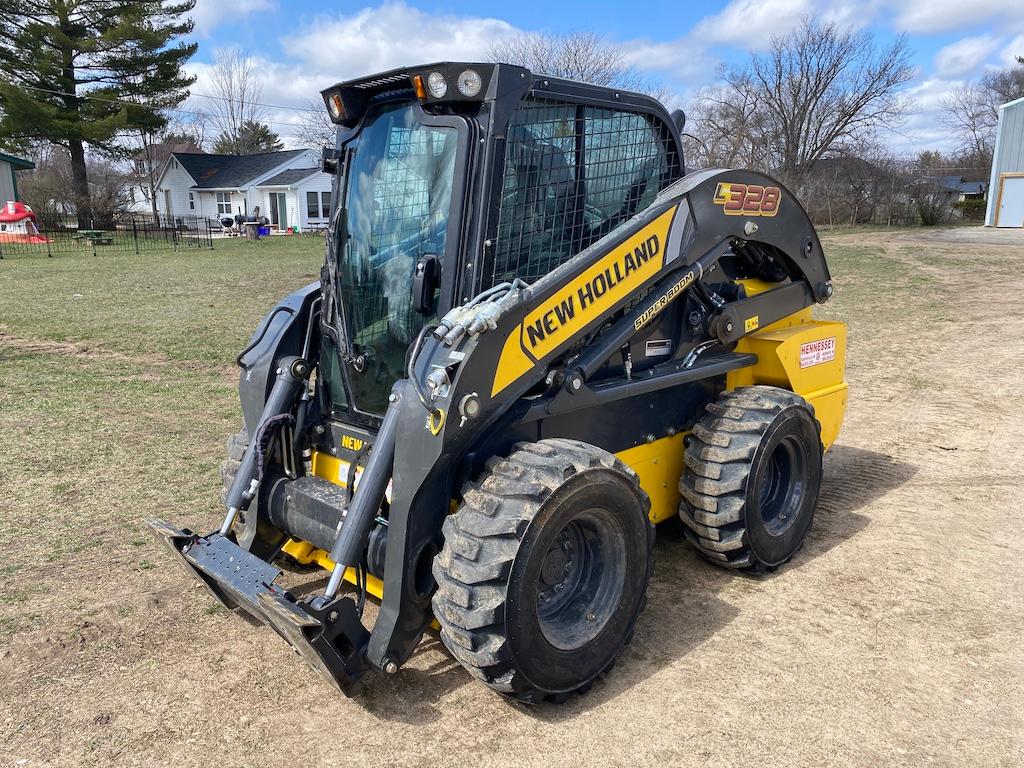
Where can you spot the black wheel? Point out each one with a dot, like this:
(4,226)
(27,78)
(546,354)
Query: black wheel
(237,443)
(544,569)
(753,472)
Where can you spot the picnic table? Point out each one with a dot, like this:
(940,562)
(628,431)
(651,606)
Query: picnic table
(95,236)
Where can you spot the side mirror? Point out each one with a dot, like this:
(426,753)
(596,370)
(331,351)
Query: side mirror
(425,280)
(678,120)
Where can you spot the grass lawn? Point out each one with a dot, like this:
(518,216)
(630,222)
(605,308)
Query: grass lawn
(117,388)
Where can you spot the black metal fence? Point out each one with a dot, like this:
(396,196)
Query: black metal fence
(129,234)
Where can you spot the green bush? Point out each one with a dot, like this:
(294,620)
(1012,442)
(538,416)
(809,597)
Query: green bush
(971,209)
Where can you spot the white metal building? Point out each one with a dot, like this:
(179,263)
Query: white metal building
(1006,190)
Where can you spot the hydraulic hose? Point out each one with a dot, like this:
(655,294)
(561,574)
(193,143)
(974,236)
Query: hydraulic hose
(291,378)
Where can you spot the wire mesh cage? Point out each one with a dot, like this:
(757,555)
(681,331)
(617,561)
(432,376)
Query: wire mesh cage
(572,174)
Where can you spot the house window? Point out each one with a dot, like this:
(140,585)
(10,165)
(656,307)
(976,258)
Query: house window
(318,205)
(224,202)
(191,201)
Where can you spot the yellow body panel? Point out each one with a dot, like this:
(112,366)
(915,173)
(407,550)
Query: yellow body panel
(307,554)
(778,350)
(659,465)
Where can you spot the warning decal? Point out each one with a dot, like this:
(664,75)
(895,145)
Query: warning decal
(817,352)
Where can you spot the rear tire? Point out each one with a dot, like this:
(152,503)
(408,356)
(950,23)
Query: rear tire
(544,569)
(753,473)
(237,443)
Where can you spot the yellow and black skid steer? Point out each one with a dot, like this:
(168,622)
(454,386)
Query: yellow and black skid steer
(535,337)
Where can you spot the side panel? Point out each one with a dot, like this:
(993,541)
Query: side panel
(659,465)
(807,357)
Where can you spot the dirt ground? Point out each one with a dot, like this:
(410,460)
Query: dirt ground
(895,638)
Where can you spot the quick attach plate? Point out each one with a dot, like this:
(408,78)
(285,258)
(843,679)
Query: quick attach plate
(331,637)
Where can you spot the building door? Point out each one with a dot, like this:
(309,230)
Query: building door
(1010,212)
(279,210)
(168,210)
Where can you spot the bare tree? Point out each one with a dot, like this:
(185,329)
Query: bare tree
(234,93)
(725,129)
(972,111)
(581,55)
(818,90)
(49,189)
(181,134)
(315,129)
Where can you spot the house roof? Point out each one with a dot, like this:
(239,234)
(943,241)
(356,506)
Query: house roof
(162,149)
(291,176)
(957,184)
(17,162)
(231,171)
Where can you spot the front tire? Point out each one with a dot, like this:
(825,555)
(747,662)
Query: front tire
(753,473)
(544,569)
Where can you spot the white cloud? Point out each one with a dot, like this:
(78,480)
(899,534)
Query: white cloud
(932,16)
(209,14)
(683,60)
(925,126)
(390,36)
(966,56)
(750,24)
(1009,55)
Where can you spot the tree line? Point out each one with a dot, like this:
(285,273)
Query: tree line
(86,85)
(89,84)
(812,111)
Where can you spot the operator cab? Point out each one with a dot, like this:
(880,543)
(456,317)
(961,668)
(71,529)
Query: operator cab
(452,178)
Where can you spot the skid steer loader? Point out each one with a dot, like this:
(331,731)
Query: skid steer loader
(535,337)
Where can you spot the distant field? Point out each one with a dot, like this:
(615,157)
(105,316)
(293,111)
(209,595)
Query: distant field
(895,637)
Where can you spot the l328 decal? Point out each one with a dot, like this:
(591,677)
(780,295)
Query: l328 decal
(747,199)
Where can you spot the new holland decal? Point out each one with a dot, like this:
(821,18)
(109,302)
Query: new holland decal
(586,297)
(747,199)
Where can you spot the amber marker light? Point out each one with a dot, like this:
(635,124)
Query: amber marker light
(419,87)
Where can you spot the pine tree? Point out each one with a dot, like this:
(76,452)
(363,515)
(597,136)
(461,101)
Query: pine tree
(252,138)
(84,73)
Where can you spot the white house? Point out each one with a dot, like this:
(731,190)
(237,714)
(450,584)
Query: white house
(146,165)
(289,188)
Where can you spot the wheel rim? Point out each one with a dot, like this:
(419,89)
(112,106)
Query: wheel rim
(581,579)
(783,485)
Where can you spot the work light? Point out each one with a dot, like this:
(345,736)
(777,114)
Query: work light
(436,85)
(469,83)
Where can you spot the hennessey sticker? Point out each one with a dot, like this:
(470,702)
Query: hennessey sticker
(817,352)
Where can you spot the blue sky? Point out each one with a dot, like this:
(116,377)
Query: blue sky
(304,46)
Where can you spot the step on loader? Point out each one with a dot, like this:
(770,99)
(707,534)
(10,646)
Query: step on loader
(535,336)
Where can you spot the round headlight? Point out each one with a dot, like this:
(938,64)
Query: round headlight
(469,83)
(334,105)
(436,85)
